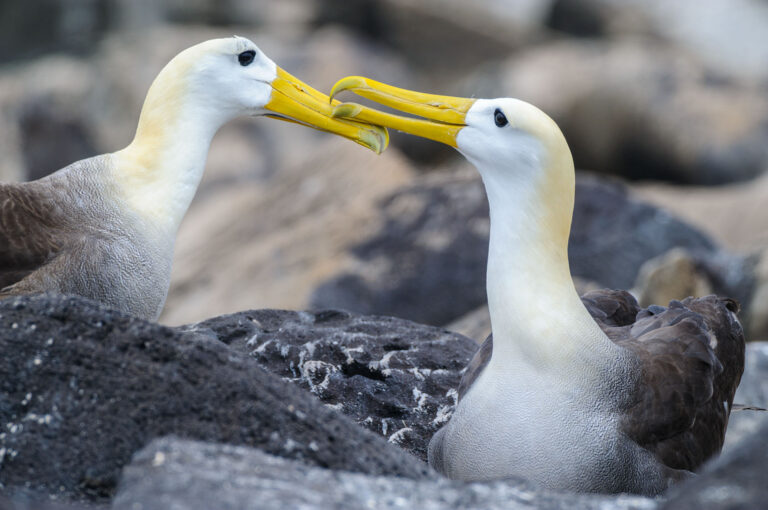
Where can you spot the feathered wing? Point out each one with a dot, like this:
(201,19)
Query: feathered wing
(476,366)
(31,231)
(692,356)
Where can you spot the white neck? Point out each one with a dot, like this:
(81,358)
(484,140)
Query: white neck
(537,317)
(160,170)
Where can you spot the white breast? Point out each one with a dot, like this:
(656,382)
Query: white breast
(520,423)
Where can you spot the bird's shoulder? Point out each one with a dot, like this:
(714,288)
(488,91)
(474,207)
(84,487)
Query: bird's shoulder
(38,218)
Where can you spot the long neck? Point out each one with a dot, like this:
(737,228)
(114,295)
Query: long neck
(160,170)
(537,316)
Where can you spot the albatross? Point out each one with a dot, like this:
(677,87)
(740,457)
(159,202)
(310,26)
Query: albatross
(105,227)
(589,394)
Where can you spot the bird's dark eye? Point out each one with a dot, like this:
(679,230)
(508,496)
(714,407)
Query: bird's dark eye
(246,57)
(499,118)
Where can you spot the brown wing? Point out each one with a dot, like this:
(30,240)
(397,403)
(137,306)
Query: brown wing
(692,358)
(476,366)
(31,230)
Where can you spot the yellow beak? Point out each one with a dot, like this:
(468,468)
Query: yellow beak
(294,101)
(445,115)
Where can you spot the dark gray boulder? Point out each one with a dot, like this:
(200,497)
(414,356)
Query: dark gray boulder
(613,233)
(427,263)
(752,391)
(635,107)
(22,502)
(53,135)
(199,476)
(392,376)
(84,387)
(736,480)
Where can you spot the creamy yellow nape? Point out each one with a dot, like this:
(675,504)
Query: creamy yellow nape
(198,91)
(536,314)
(528,172)
(158,173)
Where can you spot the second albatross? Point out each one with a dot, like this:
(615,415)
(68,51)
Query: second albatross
(588,394)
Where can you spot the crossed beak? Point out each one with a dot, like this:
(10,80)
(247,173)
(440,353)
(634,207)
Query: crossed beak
(294,101)
(442,116)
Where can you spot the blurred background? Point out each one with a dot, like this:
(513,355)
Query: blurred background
(664,105)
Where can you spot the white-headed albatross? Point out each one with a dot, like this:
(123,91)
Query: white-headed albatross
(105,227)
(588,394)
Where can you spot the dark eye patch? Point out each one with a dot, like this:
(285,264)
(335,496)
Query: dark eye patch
(499,118)
(246,57)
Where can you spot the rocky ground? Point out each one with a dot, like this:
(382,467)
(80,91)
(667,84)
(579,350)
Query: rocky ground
(267,409)
(663,104)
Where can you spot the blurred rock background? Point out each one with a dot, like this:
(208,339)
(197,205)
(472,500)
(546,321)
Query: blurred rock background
(664,104)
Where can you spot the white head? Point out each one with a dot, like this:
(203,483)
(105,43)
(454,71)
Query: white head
(195,93)
(228,75)
(528,172)
(525,163)
(519,151)
(218,80)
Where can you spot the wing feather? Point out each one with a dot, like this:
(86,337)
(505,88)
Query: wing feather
(31,230)
(692,356)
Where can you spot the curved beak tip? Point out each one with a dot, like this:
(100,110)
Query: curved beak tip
(294,101)
(348,83)
(377,139)
(346,110)
(437,117)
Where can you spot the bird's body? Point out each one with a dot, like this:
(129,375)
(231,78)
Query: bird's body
(594,395)
(105,227)
(624,438)
(73,233)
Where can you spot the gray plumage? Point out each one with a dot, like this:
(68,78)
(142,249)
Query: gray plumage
(70,233)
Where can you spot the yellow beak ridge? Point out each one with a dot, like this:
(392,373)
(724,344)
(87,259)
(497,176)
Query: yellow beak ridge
(294,101)
(443,116)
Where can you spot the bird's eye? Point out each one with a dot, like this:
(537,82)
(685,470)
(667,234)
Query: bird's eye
(246,57)
(499,118)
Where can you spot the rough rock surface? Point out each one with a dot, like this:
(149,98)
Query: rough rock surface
(727,34)
(680,273)
(732,215)
(256,244)
(24,502)
(752,391)
(735,480)
(427,263)
(422,31)
(84,387)
(170,473)
(758,317)
(392,376)
(641,109)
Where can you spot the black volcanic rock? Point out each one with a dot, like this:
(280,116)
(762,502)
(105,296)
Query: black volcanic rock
(84,387)
(201,476)
(23,502)
(392,376)
(428,261)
